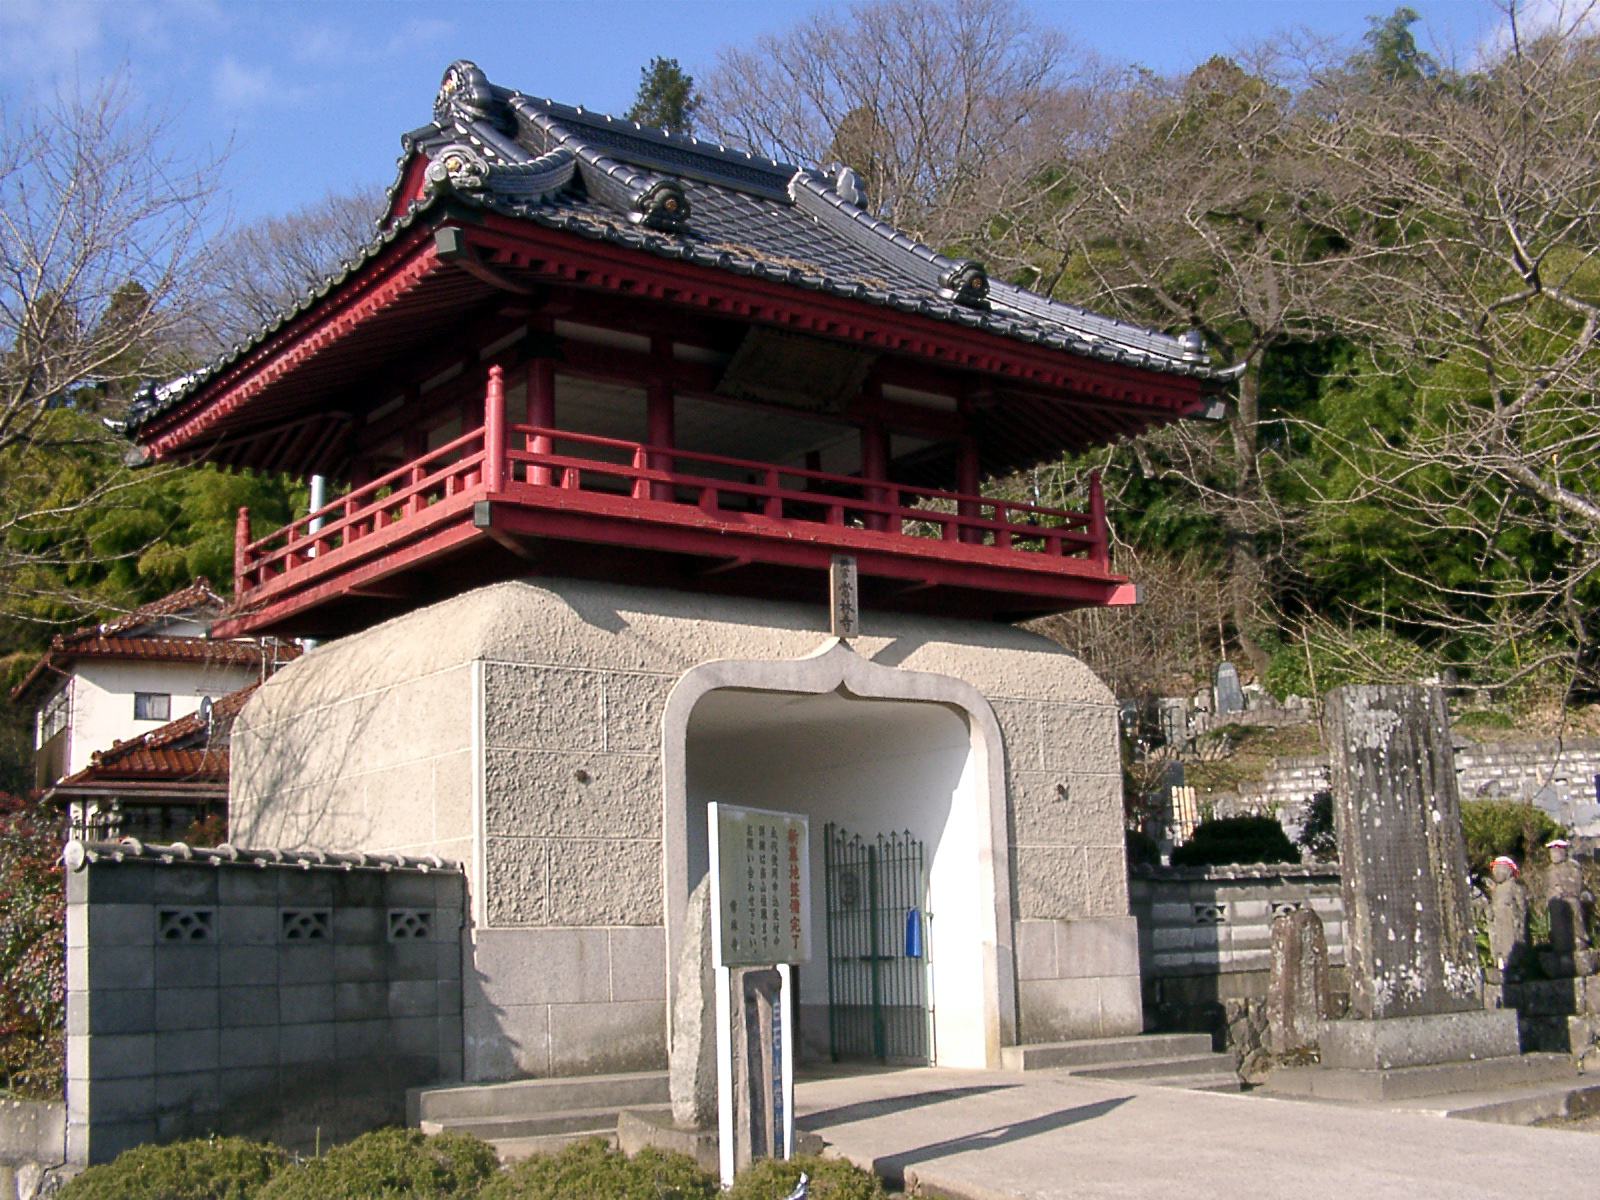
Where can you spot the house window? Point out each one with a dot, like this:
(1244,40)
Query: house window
(152,706)
(53,717)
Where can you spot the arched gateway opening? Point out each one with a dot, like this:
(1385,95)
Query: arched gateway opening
(863,750)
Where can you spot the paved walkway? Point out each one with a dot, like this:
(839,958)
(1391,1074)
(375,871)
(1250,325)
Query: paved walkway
(980,1135)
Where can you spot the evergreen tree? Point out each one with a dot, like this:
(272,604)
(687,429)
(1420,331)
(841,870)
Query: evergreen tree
(667,99)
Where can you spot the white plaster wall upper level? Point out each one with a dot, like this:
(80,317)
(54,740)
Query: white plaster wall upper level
(101,705)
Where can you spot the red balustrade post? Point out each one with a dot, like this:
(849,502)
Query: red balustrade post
(1101,551)
(661,416)
(967,483)
(874,467)
(241,540)
(494,432)
(542,415)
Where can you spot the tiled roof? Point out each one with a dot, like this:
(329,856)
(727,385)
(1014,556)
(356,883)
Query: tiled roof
(136,635)
(192,749)
(198,601)
(693,201)
(67,649)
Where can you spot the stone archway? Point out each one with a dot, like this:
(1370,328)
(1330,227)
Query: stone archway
(759,701)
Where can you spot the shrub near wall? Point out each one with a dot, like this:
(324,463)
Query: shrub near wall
(33,950)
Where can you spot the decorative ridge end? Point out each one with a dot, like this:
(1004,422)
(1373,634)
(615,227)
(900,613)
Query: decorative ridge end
(457,167)
(967,282)
(465,91)
(662,205)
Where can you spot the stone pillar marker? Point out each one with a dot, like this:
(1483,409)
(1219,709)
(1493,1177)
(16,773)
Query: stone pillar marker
(1297,990)
(1409,939)
(692,1078)
(1418,1026)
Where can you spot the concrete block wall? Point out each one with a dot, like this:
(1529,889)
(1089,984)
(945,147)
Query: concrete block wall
(1563,778)
(1205,939)
(1218,920)
(274,999)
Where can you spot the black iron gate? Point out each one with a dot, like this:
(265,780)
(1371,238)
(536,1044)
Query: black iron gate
(877,958)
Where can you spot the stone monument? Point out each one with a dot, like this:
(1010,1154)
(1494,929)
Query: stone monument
(1570,954)
(1418,1025)
(1508,921)
(1297,988)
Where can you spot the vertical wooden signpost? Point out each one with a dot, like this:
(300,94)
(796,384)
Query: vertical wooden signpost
(761,894)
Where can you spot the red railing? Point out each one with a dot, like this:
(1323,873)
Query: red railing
(544,466)
(403,495)
(794,495)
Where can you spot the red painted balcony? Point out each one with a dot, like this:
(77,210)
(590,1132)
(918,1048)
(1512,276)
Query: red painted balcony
(509,500)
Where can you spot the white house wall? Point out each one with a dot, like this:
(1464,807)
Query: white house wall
(101,708)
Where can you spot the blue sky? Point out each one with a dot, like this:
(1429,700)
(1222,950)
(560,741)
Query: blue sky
(312,97)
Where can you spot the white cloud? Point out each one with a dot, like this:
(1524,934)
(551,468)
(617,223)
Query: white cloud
(42,38)
(237,85)
(1535,17)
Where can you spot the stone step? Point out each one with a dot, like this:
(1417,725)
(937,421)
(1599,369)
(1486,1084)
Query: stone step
(526,1097)
(1516,1106)
(572,1122)
(1404,1083)
(1218,1081)
(1045,1056)
(1158,1069)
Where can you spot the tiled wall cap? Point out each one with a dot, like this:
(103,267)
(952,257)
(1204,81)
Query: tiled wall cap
(79,854)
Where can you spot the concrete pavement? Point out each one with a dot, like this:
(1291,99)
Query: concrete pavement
(981,1135)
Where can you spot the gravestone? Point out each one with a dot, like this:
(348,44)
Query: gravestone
(1410,945)
(1174,720)
(1225,683)
(1418,1026)
(692,1060)
(1297,988)
(1569,930)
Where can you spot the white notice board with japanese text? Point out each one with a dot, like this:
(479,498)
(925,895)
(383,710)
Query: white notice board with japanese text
(760,886)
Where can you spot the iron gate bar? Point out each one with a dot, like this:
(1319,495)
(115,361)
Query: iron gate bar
(877,995)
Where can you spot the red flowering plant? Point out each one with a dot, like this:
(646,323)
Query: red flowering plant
(33,949)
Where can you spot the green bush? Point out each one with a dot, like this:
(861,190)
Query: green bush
(1224,840)
(1510,827)
(1482,718)
(1142,849)
(212,1169)
(831,1179)
(592,1170)
(33,950)
(390,1163)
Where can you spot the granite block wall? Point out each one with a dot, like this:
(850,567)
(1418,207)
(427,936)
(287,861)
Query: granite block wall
(274,999)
